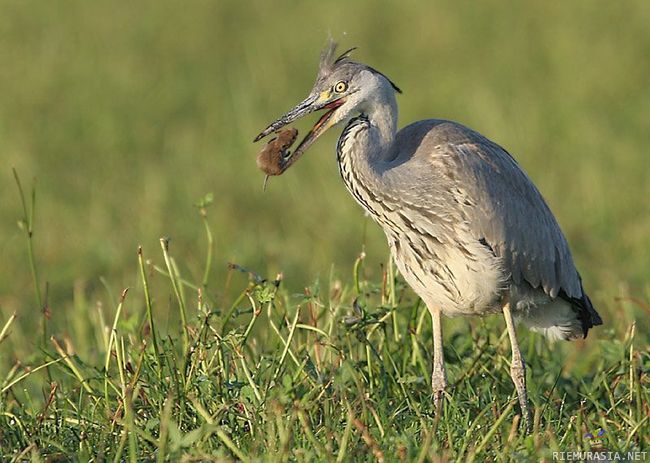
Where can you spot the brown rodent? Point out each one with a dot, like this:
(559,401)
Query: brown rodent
(272,158)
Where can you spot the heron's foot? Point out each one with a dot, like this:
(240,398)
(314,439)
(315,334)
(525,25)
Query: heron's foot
(438,385)
(518,375)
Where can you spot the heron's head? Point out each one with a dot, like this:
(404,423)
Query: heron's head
(343,89)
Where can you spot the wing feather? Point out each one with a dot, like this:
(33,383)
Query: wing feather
(511,214)
(499,201)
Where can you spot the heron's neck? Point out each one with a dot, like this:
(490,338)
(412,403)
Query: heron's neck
(367,139)
(363,150)
(382,118)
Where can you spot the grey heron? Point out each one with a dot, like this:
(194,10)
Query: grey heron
(466,227)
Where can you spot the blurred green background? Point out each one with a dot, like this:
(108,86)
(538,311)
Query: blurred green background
(126,113)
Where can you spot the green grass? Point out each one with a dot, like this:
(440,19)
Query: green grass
(121,116)
(337,372)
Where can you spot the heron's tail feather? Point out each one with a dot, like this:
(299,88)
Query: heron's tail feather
(584,310)
(555,319)
(562,317)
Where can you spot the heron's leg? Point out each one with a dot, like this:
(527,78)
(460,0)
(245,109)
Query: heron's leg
(438,377)
(517,367)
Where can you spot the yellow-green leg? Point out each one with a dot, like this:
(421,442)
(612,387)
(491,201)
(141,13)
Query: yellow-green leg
(438,376)
(517,367)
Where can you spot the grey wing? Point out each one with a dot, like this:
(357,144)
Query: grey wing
(505,209)
(498,201)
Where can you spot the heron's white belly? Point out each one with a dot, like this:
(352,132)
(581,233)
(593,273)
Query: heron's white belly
(461,279)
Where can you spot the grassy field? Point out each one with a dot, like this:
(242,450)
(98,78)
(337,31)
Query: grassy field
(123,117)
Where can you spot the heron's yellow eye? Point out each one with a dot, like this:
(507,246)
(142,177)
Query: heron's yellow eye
(340,87)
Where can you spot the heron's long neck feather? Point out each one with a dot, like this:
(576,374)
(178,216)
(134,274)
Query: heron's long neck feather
(362,152)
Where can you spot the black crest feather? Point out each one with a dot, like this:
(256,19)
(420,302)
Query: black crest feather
(329,60)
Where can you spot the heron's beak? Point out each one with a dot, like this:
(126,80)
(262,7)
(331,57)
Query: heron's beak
(307,106)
